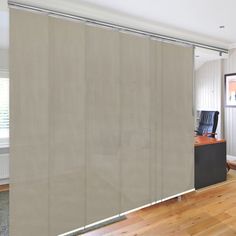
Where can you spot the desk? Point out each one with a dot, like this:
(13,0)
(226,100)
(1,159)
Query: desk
(210,161)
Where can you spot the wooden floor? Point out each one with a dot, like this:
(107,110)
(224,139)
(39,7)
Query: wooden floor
(4,188)
(205,212)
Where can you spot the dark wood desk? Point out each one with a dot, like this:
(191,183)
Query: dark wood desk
(210,161)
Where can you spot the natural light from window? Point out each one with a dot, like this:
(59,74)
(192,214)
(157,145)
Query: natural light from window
(4,111)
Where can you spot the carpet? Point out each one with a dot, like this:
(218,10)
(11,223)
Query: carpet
(4,213)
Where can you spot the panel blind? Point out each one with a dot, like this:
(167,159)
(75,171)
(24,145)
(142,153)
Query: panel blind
(4,108)
(101,140)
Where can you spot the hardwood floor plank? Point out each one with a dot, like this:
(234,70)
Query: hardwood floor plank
(209,222)
(207,212)
(4,188)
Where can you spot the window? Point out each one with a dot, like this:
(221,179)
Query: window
(4,111)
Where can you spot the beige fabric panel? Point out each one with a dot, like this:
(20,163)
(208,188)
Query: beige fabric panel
(156,119)
(103,123)
(67,125)
(29,127)
(178,121)
(135,121)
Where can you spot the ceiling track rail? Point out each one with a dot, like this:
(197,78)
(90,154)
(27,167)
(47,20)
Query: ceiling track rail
(118,27)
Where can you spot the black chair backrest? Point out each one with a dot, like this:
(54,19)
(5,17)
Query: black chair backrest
(208,123)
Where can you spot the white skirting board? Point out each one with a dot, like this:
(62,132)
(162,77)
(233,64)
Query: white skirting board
(231,158)
(4,181)
(4,169)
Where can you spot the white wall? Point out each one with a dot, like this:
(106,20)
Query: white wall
(4,59)
(230,113)
(208,84)
(210,95)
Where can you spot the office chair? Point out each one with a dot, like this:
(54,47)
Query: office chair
(208,123)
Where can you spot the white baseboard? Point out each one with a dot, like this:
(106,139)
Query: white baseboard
(4,181)
(231,158)
(4,167)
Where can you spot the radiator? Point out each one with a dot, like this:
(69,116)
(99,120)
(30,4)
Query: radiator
(4,166)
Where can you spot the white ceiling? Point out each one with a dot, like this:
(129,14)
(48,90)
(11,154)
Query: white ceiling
(202,17)
(4,25)
(203,55)
(3,5)
(195,20)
